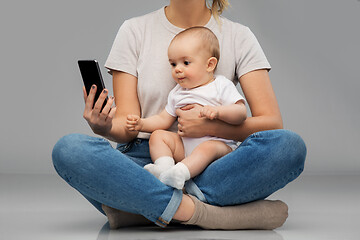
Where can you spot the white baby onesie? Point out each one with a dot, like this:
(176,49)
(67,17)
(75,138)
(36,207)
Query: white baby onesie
(220,92)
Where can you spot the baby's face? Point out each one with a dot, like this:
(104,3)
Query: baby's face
(188,62)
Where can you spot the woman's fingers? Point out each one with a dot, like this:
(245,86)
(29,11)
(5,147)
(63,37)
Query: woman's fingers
(89,102)
(106,110)
(111,114)
(99,103)
(188,107)
(191,106)
(85,94)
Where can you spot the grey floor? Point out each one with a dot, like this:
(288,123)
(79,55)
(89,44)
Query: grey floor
(44,207)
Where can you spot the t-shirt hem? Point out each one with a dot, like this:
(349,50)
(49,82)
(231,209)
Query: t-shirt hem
(255,67)
(113,66)
(143,135)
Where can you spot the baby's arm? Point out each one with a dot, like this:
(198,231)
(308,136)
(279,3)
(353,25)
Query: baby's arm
(233,114)
(162,120)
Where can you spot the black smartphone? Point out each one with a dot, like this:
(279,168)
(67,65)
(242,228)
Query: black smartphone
(91,75)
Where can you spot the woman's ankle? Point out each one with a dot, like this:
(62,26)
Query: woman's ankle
(186,209)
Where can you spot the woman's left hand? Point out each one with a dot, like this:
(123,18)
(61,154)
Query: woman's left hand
(190,122)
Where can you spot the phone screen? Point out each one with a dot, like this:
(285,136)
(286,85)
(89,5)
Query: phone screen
(91,75)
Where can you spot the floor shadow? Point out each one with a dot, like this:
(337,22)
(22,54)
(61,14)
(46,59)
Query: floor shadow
(183,232)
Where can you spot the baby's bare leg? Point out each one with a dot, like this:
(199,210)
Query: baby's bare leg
(204,154)
(164,143)
(194,164)
(164,147)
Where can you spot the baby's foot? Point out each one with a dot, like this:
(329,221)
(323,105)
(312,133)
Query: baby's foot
(155,170)
(175,176)
(161,164)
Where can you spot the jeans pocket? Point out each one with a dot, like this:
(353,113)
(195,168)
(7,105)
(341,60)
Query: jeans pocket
(254,135)
(125,147)
(249,138)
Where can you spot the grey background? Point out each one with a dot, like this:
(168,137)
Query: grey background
(313,47)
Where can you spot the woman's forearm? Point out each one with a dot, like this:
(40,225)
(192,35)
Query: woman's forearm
(240,132)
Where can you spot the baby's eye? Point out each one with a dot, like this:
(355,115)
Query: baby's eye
(173,64)
(186,62)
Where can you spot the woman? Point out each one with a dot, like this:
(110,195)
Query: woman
(114,179)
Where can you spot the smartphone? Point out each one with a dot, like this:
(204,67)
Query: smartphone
(91,75)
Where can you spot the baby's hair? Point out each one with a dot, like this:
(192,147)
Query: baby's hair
(207,38)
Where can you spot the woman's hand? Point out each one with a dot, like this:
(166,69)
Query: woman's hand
(190,122)
(99,120)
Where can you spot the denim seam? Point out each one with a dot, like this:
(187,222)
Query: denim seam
(193,189)
(170,209)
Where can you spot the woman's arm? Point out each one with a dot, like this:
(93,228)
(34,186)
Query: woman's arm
(265,111)
(111,124)
(127,102)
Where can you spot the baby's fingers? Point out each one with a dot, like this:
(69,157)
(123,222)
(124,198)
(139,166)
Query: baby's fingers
(211,115)
(204,112)
(208,114)
(131,122)
(130,128)
(131,117)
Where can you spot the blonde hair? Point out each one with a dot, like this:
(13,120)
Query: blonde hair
(208,39)
(217,7)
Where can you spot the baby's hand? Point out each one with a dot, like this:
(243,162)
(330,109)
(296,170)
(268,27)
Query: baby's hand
(210,112)
(133,123)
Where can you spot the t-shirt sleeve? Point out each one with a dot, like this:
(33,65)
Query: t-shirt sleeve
(249,54)
(124,53)
(228,93)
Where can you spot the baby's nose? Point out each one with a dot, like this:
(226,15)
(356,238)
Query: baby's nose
(178,69)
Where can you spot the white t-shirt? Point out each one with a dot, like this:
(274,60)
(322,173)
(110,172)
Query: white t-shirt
(140,49)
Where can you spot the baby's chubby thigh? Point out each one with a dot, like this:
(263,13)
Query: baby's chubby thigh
(166,143)
(191,143)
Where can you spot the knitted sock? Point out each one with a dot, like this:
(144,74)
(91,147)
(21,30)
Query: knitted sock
(175,176)
(261,214)
(160,165)
(118,218)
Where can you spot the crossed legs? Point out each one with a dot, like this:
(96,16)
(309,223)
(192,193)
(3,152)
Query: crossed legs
(283,152)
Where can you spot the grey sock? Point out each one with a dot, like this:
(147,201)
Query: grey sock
(118,218)
(261,214)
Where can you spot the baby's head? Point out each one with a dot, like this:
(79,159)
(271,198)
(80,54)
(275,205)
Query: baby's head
(193,56)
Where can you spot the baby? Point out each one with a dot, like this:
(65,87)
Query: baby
(193,56)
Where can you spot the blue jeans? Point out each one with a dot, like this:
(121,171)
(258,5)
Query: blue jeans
(263,163)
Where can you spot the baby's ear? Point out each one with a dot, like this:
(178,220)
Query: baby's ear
(211,64)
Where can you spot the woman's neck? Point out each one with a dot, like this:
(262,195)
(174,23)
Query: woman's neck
(188,13)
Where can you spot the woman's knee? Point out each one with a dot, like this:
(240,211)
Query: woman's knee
(291,151)
(297,148)
(64,151)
